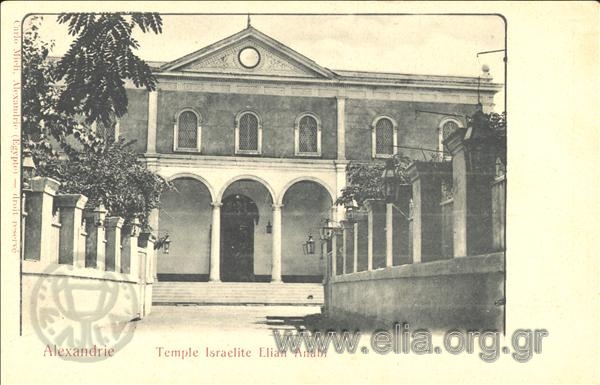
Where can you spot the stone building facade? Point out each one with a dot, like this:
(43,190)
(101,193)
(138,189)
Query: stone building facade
(256,138)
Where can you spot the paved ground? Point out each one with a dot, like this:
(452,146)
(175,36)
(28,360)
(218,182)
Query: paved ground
(225,318)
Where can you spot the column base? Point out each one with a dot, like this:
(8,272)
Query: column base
(214,280)
(276,281)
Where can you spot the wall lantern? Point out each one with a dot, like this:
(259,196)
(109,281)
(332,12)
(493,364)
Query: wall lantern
(167,245)
(163,243)
(269,227)
(328,229)
(389,180)
(309,245)
(351,210)
(28,167)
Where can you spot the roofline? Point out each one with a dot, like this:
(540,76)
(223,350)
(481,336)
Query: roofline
(303,60)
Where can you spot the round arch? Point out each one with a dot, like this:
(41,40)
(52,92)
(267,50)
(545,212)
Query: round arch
(443,122)
(306,179)
(200,179)
(447,119)
(231,181)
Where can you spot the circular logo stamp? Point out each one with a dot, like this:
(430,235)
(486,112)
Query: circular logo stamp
(81,318)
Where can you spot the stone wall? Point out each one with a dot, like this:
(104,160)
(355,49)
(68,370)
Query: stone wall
(278,115)
(459,293)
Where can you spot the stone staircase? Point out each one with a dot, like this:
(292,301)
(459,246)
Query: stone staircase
(237,293)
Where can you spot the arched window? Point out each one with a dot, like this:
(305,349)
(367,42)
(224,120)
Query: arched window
(384,137)
(248,133)
(187,131)
(447,126)
(307,135)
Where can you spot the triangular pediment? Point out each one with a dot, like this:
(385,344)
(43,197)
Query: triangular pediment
(249,52)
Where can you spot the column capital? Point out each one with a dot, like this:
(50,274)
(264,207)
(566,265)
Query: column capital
(277,206)
(341,98)
(216,204)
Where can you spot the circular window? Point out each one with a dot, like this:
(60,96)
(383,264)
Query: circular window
(249,57)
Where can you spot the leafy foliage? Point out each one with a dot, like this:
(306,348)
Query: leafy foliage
(99,60)
(364,180)
(114,177)
(44,128)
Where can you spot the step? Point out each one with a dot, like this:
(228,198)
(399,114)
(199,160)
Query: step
(237,293)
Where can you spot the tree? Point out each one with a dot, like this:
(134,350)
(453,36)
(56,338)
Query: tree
(364,180)
(99,60)
(44,127)
(114,177)
(108,173)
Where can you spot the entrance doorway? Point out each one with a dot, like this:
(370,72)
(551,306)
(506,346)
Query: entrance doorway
(239,215)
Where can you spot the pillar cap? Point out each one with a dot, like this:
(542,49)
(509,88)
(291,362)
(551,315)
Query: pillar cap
(71,200)
(419,168)
(44,185)
(372,202)
(145,237)
(114,222)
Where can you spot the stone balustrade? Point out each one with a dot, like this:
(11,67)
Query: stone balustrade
(64,236)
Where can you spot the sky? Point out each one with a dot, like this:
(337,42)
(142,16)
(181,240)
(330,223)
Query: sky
(415,44)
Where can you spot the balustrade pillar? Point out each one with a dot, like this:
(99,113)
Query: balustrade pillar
(355,248)
(113,243)
(95,243)
(473,165)
(344,246)
(389,234)
(71,250)
(130,263)
(369,235)
(38,229)
(426,178)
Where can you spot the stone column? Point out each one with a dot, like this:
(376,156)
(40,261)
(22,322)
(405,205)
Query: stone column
(426,178)
(152,121)
(215,243)
(71,212)
(276,252)
(129,256)
(389,234)
(355,248)
(341,127)
(95,243)
(113,243)
(38,226)
(473,167)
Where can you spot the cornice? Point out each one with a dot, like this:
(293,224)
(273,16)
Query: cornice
(227,162)
(434,82)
